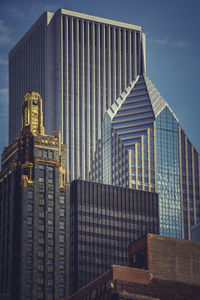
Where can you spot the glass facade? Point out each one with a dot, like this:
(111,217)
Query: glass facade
(144,147)
(104,220)
(168,174)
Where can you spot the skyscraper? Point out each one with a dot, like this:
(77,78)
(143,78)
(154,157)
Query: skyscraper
(34,216)
(116,126)
(105,219)
(143,146)
(79,64)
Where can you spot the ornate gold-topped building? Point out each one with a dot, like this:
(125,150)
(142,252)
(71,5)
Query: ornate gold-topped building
(34,211)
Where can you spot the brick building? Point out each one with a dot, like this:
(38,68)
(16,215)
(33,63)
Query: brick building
(160,268)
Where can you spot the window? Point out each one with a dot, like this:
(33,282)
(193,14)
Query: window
(45,153)
(29,207)
(50,235)
(41,173)
(51,154)
(29,220)
(62,238)
(50,248)
(40,152)
(29,234)
(28,274)
(62,212)
(51,174)
(61,251)
(62,199)
(29,246)
(50,275)
(50,261)
(29,260)
(28,287)
(30,194)
(62,225)
(50,209)
(61,278)
(61,291)
(61,265)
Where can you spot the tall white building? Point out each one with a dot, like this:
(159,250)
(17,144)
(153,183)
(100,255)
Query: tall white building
(80,65)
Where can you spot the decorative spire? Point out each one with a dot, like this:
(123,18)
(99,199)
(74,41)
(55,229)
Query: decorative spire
(32,115)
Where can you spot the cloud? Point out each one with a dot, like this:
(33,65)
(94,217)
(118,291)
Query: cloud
(168,43)
(5,37)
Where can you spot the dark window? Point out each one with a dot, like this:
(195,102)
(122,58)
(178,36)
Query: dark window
(29,260)
(51,154)
(29,233)
(28,287)
(29,246)
(61,251)
(62,238)
(61,278)
(61,265)
(41,173)
(61,291)
(62,225)
(30,207)
(28,274)
(45,153)
(62,199)
(51,175)
(29,220)
(30,194)
(40,152)
(62,212)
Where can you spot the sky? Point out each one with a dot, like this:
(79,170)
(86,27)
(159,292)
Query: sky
(172,47)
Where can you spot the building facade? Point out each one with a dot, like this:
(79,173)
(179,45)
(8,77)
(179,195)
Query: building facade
(117,127)
(34,211)
(79,64)
(104,220)
(143,146)
(195,232)
(164,274)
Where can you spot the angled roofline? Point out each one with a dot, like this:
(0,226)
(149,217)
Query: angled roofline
(100,20)
(119,101)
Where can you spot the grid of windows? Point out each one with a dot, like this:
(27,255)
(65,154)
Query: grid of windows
(168,174)
(108,219)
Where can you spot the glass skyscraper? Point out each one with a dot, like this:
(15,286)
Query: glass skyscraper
(143,146)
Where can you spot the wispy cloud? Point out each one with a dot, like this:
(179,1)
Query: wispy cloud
(166,42)
(5,36)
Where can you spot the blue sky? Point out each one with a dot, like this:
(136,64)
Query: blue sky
(173,47)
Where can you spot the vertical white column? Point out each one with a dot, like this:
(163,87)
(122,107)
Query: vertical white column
(71,97)
(93,102)
(82,99)
(88,144)
(108,64)
(118,73)
(103,72)
(123,71)
(129,58)
(66,96)
(77,100)
(98,81)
